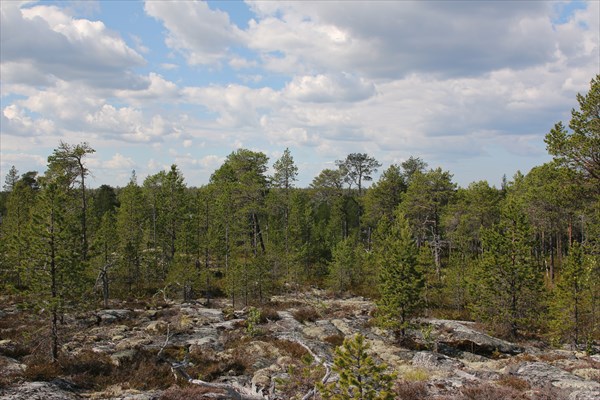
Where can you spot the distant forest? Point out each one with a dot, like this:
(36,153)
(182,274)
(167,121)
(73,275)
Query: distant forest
(523,258)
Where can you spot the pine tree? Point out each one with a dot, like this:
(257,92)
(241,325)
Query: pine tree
(569,306)
(56,274)
(401,280)
(509,291)
(343,274)
(14,231)
(131,220)
(360,378)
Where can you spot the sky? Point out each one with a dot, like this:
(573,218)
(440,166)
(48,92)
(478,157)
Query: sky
(468,86)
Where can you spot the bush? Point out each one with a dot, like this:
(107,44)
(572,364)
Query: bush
(268,314)
(293,349)
(486,391)
(42,370)
(190,393)
(406,390)
(336,340)
(306,313)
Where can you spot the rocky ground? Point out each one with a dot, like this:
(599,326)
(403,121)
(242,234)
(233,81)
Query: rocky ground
(189,351)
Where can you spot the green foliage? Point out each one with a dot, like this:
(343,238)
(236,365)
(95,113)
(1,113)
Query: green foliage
(360,377)
(345,268)
(252,321)
(571,305)
(579,148)
(401,280)
(509,293)
(358,168)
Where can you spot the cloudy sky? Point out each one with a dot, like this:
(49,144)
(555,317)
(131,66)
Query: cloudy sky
(470,86)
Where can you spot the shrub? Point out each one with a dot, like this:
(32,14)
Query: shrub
(407,390)
(306,313)
(513,382)
(293,349)
(336,340)
(42,370)
(487,391)
(268,314)
(190,393)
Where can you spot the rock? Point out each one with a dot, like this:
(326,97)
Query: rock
(428,360)
(156,327)
(203,339)
(111,316)
(132,343)
(462,336)
(285,361)
(539,374)
(10,367)
(123,357)
(321,330)
(8,347)
(262,378)
(342,326)
(592,374)
(55,390)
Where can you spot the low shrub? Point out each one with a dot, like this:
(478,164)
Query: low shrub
(513,382)
(487,391)
(190,393)
(407,390)
(293,349)
(335,340)
(306,314)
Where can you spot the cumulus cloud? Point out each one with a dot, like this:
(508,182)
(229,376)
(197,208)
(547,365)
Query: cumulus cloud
(323,89)
(118,161)
(202,35)
(395,39)
(57,46)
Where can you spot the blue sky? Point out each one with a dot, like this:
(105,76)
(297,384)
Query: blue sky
(469,86)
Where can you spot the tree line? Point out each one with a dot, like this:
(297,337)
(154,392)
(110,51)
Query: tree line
(524,258)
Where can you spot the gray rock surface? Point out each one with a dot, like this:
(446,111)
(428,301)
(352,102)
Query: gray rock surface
(461,335)
(55,390)
(540,373)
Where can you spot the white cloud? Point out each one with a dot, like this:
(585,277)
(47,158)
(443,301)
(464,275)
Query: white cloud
(323,89)
(16,122)
(395,39)
(118,161)
(87,51)
(203,35)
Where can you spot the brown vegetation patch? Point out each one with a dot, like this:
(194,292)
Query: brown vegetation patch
(306,314)
(191,393)
(293,349)
(406,390)
(335,340)
(268,314)
(513,382)
(487,391)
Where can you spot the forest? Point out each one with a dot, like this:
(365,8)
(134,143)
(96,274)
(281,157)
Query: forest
(523,259)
